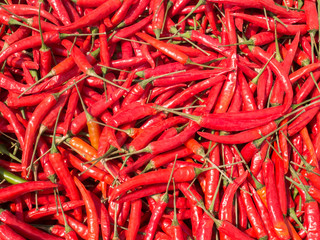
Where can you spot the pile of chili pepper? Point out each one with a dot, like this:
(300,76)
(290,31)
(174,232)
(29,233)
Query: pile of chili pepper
(159,119)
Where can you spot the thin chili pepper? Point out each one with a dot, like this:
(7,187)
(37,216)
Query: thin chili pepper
(8,233)
(162,159)
(159,209)
(147,191)
(16,125)
(165,48)
(191,91)
(10,166)
(61,11)
(270,6)
(19,34)
(45,53)
(273,201)
(33,41)
(261,22)
(146,54)
(312,22)
(157,177)
(39,113)
(134,13)
(93,227)
(94,16)
(11,192)
(278,70)
(177,230)
(78,227)
(134,219)
(82,148)
(46,210)
(23,9)
(44,160)
(57,162)
(158,17)
(91,171)
(82,62)
(104,52)
(49,120)
(225,211)
(23,228)
(311,210)
(72,12)
(306,139)
(88,4)
(93,127)
(280,180)
(247,97)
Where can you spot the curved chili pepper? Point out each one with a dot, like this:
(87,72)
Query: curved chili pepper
(92,218)
(261,22)
(225,211)
(23,9)
(29,42)
(160,176)
(23,228)
(94,16)
(78,227)
(14,122)
(8,233)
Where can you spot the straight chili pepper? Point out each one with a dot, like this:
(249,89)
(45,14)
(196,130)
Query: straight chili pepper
(273,201)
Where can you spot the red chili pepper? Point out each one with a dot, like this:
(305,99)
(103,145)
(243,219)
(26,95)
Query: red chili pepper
(94,16)
(165,48)
(160,176)
(147,191)
(270,6)
(61,11)
(92,218)
(35,214)
(23,228)
(29,42)
(16,125)
(79,122)
(8,233)
(11,192)
(78,227)
(273,201)
(225,211)
(23,9)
